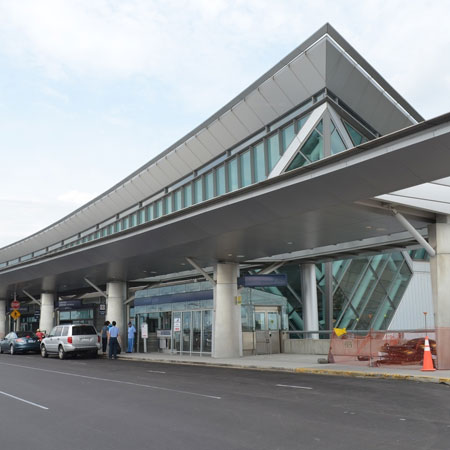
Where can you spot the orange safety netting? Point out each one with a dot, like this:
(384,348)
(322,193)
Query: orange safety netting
(381,347)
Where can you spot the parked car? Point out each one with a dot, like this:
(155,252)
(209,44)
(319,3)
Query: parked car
(71,339)
(19,342)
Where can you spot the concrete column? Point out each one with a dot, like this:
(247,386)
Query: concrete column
(309,299)
(47,311)
(2,318)
(227,328)
(117,292)
(439,239)
(329,300)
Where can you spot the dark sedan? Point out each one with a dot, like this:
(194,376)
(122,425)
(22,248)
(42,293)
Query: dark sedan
(20,342)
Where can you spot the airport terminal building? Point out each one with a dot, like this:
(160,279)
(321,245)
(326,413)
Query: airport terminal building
(317,198)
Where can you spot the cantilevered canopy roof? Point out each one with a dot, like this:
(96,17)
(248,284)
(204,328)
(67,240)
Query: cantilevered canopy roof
(318,205)
(325,60)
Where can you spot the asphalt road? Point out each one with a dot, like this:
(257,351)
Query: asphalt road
(84,404)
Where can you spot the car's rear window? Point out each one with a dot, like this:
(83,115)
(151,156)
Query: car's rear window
(27,334)
(83,329)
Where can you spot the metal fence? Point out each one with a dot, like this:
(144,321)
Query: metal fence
(378,348)
(374,348)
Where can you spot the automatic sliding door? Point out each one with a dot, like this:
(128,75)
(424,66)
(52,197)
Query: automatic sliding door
(196,331)
(176,345)
(186,332)
(207,331)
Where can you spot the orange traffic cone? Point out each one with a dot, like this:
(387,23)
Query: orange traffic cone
(427,359)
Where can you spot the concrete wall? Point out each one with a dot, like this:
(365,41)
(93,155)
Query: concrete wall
(306,346)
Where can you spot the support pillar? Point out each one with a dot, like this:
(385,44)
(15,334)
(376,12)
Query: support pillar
(309,299)
(116,295)
(329,300)
(439,237)
(46,322)
(227,328)
(2,318)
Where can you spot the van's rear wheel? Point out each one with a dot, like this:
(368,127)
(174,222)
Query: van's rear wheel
(44,352)
(61,352)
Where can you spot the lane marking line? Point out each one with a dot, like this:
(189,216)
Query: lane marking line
(149,386)
(23,400)
(293,387)
(155,371)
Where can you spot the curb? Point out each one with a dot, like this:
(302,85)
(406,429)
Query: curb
(310,371)
(382,375)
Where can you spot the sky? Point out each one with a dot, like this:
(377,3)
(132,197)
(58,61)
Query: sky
(90,90)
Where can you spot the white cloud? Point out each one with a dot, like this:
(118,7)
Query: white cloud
(196,47)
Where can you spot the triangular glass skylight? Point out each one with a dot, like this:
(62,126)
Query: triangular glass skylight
(337,144)
(356,137)
(311,150)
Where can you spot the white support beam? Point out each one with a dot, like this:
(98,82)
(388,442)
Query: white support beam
(34,300)
(417,236)
(95,287)
(271,268)
(196,266)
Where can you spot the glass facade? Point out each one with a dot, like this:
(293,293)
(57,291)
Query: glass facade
(191,320)
(365,291)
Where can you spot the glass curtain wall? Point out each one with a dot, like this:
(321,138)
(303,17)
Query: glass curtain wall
(366,291)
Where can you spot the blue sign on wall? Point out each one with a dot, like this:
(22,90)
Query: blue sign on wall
(263,280)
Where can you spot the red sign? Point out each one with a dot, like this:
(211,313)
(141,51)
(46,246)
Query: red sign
(15,304)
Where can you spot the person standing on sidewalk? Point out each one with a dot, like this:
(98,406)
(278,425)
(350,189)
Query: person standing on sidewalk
(105,336)
(131,333)
(113,336)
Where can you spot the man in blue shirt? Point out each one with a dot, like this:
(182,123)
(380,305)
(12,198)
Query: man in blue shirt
(131,333)
(113,335)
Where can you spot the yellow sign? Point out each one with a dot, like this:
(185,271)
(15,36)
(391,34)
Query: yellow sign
(15,314)
(340,331)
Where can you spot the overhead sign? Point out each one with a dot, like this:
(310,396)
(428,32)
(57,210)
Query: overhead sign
(15,314)
(68,305)
(15,304)
(144,331)
(263,280)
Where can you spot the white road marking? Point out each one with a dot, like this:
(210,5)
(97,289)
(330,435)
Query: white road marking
(155,371)
(23,400)
(149,386)
(293,387)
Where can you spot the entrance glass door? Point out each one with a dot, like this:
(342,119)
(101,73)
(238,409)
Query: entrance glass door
(267,329)
(186,333)
(196,331)
(207,331)
(176,331)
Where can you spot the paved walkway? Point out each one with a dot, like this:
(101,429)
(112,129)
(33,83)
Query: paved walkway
(297,364)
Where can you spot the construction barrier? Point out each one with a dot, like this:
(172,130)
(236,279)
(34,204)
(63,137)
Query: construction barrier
(377,348)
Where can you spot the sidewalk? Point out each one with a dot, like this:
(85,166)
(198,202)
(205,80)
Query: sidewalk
(297,364)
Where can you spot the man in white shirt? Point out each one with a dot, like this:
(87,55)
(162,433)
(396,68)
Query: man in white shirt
(113,336)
